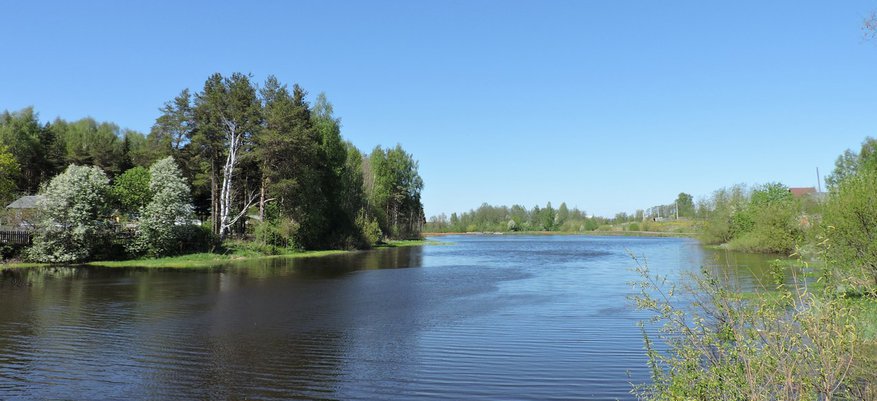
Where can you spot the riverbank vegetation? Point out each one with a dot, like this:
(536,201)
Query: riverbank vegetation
(813,338)
(798,343)
(232,161)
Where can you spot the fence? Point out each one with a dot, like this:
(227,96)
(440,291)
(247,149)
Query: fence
(17,237)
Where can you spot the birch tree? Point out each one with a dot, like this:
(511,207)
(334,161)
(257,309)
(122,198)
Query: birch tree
(228,113)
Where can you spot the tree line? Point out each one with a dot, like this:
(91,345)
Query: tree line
(488,218)
(259,160)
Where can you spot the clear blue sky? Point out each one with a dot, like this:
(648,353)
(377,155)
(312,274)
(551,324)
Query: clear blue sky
(610,106)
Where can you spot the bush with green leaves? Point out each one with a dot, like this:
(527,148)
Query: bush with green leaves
(718,343)
(277,232)
(850,227)
(72,224)
(765,219)
(164,219)
(370,229)
(725,215)
(131,190)
(8,173)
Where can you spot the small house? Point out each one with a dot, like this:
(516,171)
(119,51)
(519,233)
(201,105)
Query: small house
(803,191)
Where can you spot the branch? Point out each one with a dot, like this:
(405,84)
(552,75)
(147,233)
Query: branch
(251,202)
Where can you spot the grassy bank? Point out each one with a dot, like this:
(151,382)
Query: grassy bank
(410,242)
(236,252)
(206,260)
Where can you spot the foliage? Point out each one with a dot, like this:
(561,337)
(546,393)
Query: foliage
(849,163)
(131,190)
(10,251)
(394,192)
(9,172)
(370,229)
(765,219)
(297,183)
(343,180)
(228,115)
(725,345)
(850,224)
(488,218)
(73,217)
(723,218)
(769,223)
(172,130)
(22,135)
(88,142)
(236,146)
(546,217)
(278,232)
(685,205)
(163,219)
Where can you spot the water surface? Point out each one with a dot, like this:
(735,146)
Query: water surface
(491,317)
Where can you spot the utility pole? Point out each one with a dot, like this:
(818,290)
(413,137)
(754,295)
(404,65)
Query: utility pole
(818,181)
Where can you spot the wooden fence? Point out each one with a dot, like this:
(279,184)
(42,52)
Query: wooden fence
(16,237)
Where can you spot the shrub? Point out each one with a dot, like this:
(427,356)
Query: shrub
(279,232)
(791,344)
(72,223)
(9,251)
(131,190)
(370,229)
(196,238)
(850,220)
(163,221)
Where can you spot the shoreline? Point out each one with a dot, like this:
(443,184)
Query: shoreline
(587,233)
(214,260)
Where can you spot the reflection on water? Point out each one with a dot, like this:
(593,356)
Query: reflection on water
(488,318)
(748,271)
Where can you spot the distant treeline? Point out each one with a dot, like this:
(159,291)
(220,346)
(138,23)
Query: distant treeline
(489,218)
(258,154)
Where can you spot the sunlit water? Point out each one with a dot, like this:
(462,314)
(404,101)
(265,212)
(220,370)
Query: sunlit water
(490,317)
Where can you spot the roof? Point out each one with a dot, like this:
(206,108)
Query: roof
(802,191)
(25,202)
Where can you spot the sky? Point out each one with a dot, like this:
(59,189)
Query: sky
(609,106)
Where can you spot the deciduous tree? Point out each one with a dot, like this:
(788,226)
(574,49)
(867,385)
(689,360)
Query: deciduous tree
(131,190)
(8,174)
(73,226)
(169,211)
(228,113)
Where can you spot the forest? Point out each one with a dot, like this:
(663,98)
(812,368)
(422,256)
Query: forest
(247,161)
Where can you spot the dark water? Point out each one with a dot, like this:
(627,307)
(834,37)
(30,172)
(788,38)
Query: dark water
(505,317)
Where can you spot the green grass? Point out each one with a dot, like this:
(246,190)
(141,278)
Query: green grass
(205,260)
(21,265)
(411,242)
(865,309)
(237,251)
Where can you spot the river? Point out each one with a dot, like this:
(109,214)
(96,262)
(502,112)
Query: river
(489,317)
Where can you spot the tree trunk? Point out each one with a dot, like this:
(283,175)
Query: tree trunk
(262,199)
(214,196)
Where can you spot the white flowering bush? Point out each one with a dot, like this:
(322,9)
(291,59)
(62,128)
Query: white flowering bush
(164,219)
(72,223)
